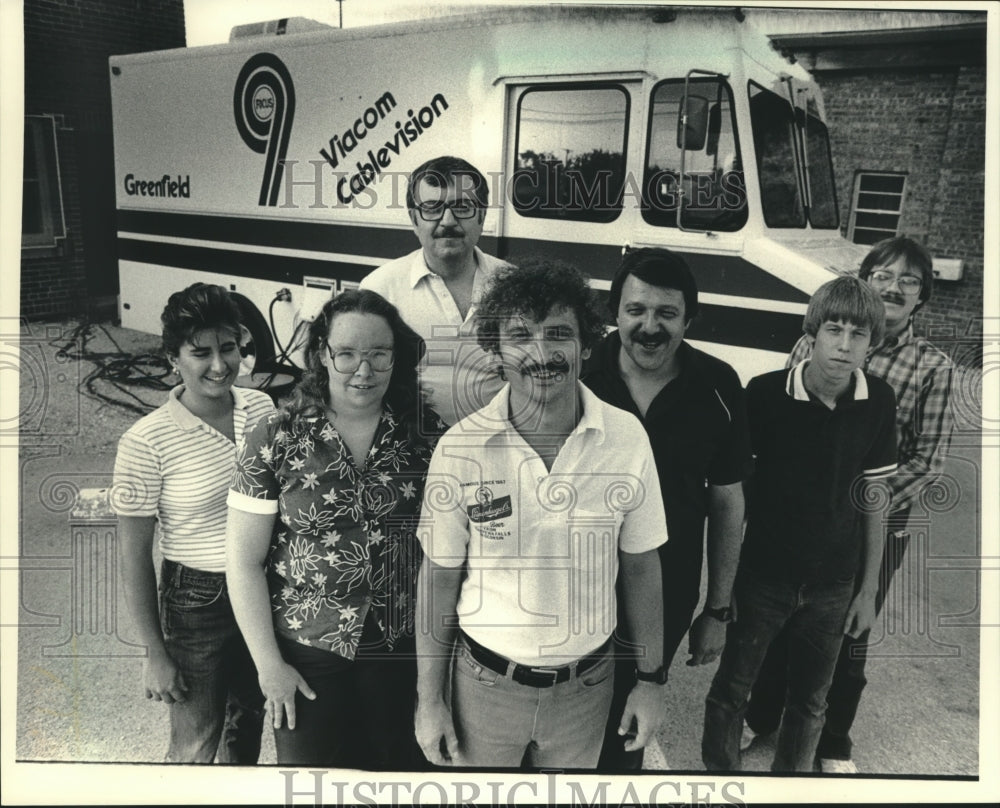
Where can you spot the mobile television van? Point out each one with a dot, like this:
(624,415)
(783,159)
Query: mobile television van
(276,165)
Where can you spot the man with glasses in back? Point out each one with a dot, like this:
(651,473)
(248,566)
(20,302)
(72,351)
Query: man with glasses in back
(901,271)
(436,287)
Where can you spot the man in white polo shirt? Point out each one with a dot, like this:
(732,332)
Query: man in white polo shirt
(533,506)
(436,287)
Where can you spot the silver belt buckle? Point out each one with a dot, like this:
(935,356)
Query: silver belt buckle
(551,672)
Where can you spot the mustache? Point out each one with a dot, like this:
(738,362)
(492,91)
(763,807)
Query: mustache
(552,366)
(449,232)
(892,297)
(638,335)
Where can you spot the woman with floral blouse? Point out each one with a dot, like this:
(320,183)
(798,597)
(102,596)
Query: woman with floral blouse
(322,555)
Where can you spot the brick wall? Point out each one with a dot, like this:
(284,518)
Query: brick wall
(929,124)
(66,48)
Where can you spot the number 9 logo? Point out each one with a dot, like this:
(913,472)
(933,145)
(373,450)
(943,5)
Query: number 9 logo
(264,105)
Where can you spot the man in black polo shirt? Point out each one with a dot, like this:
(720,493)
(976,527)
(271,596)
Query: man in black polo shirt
(692,407)
(821,432)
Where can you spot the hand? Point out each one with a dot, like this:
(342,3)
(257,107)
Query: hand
(860,614)
(433,724)
(645,705)
(705,640)
(279,683)
(162,678)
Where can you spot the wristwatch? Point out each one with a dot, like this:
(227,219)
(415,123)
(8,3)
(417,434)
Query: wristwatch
(659,676)
(723,614)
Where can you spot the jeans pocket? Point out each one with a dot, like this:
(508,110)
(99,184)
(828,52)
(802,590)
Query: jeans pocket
(598,674)
(471,669)
(192,592)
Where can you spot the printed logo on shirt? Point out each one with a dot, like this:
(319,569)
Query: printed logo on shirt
(487,508)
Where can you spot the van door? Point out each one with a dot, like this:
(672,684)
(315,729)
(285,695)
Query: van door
(572,149)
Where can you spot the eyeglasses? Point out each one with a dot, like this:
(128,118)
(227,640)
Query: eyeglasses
(908,284)
(379,359)
(434,211)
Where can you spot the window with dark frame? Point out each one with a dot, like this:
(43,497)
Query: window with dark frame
(42,221)
(570,152)
(876,206)
(714,192)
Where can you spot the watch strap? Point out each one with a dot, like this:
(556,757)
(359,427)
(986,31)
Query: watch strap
(723,614)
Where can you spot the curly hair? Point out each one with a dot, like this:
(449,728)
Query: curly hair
(198,307)
(533,288)
(311,395)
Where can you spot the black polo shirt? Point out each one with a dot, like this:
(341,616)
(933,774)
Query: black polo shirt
(698,430)
(803,524)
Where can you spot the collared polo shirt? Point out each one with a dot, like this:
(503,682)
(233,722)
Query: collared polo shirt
(541,546)
(921,377)
(804,514)
(172,465)
(697,426)
(460,376)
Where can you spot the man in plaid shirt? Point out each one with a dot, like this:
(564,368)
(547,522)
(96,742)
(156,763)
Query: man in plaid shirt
(900,270)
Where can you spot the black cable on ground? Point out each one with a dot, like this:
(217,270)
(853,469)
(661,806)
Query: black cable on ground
(119,369)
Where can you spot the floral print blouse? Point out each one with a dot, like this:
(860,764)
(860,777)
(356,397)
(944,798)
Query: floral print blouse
(345,540)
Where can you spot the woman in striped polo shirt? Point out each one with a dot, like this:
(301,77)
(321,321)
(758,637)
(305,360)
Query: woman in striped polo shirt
(173,469)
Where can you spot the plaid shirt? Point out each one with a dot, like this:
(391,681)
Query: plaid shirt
(921,376)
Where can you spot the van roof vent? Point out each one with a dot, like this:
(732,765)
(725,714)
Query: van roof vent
(286,25)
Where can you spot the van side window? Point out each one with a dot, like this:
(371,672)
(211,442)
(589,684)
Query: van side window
(774,135)
(712,192)
(823,213)
(570,149)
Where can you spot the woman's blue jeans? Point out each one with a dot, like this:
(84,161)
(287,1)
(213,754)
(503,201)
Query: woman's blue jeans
(223,714)
(813,617)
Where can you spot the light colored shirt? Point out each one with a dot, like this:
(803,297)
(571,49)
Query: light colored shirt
(459,376)
(541,545)
(174,466)
(920,375)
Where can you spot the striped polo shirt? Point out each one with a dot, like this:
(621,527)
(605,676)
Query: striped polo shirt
(174,466)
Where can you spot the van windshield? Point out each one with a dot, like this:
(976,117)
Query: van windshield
(712,193)
(774,135)
(785,139)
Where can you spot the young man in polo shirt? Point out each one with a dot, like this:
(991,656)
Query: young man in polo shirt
(692,407)
(821,432)
(534,506)
(901,271)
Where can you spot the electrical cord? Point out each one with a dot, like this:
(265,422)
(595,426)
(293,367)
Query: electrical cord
(117,368)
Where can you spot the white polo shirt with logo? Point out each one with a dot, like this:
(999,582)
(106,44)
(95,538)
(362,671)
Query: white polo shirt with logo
(541,546)
(460,376)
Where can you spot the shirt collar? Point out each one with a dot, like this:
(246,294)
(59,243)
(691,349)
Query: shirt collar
(419,269)
(796,388)
(186,419)
(905,337)
(494,420)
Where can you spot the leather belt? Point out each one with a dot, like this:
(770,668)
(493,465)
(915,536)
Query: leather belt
(531,676)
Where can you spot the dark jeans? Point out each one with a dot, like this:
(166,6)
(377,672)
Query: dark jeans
(768,695)
(222,716)
(681,574)
(362,716)
(813,617)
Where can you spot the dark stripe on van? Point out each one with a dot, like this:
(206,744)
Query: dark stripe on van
(730,326)
(262,266)
(716,274)
(379,242)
